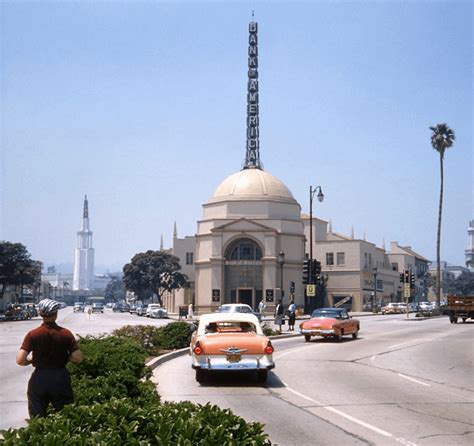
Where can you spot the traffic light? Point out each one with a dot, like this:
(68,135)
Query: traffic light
(406,277)
(292,287)
(412,280)
(401,277)
(315,270)
(306,272)
(316,267)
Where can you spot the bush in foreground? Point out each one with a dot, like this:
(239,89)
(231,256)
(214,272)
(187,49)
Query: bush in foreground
(116,405)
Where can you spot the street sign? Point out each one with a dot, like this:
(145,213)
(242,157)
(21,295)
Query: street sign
(311,290)
(406,290)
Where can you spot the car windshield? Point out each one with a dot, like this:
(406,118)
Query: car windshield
(230,327)
(325,313)
(229,309)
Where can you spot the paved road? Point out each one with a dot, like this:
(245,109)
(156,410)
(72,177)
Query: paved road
(14,379)
(401,382)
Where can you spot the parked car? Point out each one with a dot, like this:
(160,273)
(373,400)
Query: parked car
(120,307)
(402,306)
(141,309)
(78,307)
(156,311)
(132,308)
(330,323)
(239,308)
(97,307)
(229,342)
(391,308)
(426,306)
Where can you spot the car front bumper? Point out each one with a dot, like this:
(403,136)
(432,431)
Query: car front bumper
(317,332)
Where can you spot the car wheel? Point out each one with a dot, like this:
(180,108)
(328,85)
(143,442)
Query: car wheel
(262,376)
(355,334)
(464,319)
(200,375)
(307,338)
(339,336)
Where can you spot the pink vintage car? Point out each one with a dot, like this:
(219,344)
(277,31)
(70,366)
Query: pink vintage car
(330,322)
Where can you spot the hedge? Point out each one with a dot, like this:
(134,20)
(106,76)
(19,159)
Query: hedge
(116,405)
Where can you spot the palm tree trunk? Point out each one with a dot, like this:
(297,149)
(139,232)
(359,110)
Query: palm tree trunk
(438,238)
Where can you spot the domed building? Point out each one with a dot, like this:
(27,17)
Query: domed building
(250,242)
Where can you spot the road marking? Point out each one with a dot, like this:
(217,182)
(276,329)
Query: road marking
(340,413)
(414,380)
(291,351)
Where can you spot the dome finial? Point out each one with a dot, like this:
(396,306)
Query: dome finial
(252,156)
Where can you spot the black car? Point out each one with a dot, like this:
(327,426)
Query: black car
(120,308)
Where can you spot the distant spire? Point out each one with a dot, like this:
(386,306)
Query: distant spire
(161,243)
(330,226)
(252,156)
(175,231)
(383,243)
(352,232)
(363,236)
(86,208)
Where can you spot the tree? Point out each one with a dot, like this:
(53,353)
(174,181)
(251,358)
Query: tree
(154,271)
(17,267)
(442,138)
(463,285)
(115,289)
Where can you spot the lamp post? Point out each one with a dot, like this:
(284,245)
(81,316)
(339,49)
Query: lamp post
(375,288)
(320,199)
(281,262)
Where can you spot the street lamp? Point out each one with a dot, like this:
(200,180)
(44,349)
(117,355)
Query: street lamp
(375,288)
(281,261)
(320,199)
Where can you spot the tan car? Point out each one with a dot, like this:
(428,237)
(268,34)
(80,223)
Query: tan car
(230,342)
(330,323)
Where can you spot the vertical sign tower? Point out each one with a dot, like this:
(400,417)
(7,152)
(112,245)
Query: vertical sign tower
(252,157)
(83,278)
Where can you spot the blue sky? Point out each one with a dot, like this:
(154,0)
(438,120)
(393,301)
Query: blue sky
(141,106)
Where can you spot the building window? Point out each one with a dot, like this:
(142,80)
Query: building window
(394,266)
(341,258)
(366,264)
(329,258)
(245,250)
(189,258)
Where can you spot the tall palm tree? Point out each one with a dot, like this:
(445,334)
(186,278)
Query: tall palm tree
(442,138)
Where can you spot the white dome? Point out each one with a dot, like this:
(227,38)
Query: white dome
(252,184)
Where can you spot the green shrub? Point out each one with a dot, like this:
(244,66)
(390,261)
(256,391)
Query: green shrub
(88,391)
(103,355)
(147,336)
(120,422)
(175,335)
(268,331)
(112,367)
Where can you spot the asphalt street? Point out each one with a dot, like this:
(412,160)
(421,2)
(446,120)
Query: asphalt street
(402,382)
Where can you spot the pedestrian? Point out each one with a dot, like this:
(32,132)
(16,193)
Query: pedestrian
(52,347)
(261,307)
(279,315)
(190,311)
(291,315)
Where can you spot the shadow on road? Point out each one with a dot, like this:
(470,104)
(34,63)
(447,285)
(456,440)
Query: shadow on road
(240,379)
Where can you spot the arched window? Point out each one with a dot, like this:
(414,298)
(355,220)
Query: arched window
(244,249)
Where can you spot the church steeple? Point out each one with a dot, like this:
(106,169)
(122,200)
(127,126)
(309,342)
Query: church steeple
(252,157)
(85,214)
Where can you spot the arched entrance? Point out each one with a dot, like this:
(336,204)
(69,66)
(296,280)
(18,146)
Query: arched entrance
(243,272)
